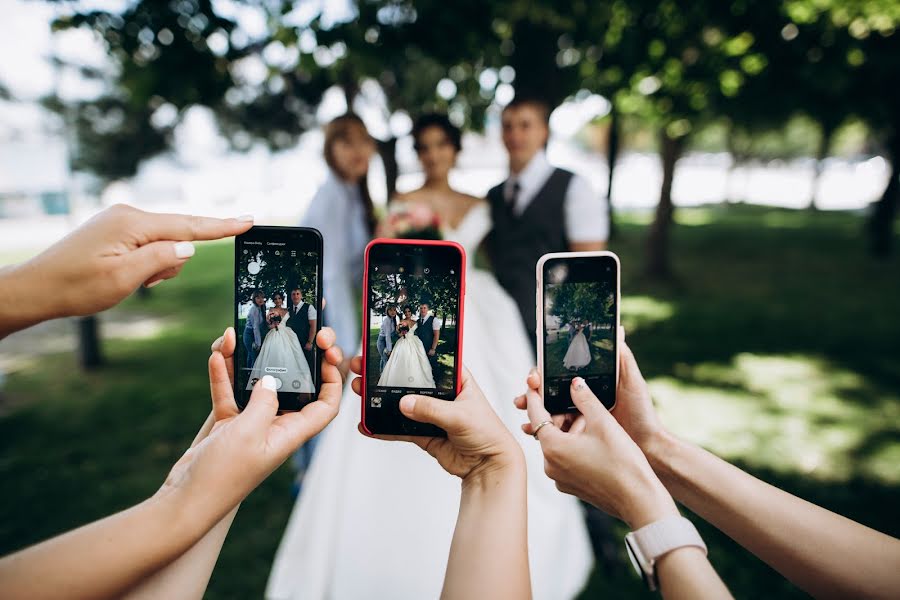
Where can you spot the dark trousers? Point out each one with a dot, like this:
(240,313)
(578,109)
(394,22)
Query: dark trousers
(248,345)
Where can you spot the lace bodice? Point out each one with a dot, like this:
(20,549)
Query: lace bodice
(472,229)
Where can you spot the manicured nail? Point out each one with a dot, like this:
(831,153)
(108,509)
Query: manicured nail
(245,218)
(407,403)
(150,285)
(184,250)
(268,382)
(578,383)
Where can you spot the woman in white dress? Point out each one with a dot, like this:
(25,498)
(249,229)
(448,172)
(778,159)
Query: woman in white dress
(578,355)
(282,353)
(408,364)
(375,519)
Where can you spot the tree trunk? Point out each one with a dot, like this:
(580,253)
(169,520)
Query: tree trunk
(612,155)
(821,155)
(388,152)
(89,343)
(658,266)
(881,222)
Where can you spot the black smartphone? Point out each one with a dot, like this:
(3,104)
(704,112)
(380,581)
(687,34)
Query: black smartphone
(412,330)
(577,326)
(277,313)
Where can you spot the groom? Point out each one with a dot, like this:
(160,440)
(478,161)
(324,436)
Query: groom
(539,208)
(429,331)
(303,323)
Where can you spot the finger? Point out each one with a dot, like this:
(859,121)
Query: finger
(295,428)
(221,388)
(326,338)
(229,342)
(534,379)
(562,421)
(418,440)
(587,403)
(356,386)
(145,262)
(204,429)
(160,226)
(629,371)
(263,404)
(334,355)
(527,428)
(356,365)
(578,425)
(163,275)
(425,409)
(216,346)
(520,402)
(535,408)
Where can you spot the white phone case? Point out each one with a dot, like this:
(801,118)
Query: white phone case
(539,304)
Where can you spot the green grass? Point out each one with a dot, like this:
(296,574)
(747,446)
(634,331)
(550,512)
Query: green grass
(602,362)
(775,348)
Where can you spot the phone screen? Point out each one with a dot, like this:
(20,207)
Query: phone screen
(580,300)
(413,330)
(277,309)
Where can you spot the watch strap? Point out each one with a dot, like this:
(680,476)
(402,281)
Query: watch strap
(661,537)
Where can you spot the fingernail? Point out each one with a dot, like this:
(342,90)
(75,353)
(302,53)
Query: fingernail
(150,285)
(268,382)
(184,250)
(578,383)
(245,218)
(407,403)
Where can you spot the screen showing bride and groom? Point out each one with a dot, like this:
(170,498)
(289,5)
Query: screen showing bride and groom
(413,323)
(277,314)
(580,326)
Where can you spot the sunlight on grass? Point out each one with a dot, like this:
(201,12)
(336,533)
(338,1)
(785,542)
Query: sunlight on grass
(643,311)
(788,413)
(695,216)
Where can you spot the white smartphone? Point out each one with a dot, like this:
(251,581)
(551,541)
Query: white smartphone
(577,326)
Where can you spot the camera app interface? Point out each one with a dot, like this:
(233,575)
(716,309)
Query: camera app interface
(277,314)
(580,327)
(413,323)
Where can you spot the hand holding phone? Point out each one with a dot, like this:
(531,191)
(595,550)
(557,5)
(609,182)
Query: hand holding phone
(577,326)
(412,333)
(277,308)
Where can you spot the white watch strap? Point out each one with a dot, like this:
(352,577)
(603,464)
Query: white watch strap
(661,537)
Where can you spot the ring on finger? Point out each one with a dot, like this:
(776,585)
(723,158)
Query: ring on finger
(538,428)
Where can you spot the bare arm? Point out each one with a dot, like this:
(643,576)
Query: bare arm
(825,554)
(312,333)
(587,246)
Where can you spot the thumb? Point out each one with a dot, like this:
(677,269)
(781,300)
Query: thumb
(430,410)
(155,257)
(587,403)
(263,405)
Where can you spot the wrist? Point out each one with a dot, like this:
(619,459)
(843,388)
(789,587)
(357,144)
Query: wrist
(21,281)
(504,467)
(660,449)
(651,504)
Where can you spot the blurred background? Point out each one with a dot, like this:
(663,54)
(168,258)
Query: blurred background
(749,150)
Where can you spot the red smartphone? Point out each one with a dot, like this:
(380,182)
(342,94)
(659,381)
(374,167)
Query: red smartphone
(412,329)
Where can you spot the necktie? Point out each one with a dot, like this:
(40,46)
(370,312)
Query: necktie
(514,197)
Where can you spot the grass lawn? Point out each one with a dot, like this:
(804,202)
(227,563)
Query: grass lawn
(602,361)
(777,348)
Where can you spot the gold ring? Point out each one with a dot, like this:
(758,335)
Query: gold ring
(538,428)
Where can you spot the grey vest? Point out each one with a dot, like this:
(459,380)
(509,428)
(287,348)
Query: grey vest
(517,242)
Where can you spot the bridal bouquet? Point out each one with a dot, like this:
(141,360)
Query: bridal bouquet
(410,220)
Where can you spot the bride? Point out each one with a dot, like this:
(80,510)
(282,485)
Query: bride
(282,353)
(578,354)
(375,520)
(408,364)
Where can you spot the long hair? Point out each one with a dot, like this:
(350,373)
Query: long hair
(339,130)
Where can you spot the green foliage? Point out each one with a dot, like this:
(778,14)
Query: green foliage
(277,274)
(438,291)
(590,301)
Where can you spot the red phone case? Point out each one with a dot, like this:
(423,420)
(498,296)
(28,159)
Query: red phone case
(365,319)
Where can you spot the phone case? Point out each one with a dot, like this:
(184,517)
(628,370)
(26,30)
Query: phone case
(365,300)
(539,303)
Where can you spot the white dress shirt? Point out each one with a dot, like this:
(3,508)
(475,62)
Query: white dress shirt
(312,315)
(585,210)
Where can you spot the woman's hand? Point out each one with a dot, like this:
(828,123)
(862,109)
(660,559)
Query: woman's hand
(106,259)
(477,442)
(597,461)
(243,448)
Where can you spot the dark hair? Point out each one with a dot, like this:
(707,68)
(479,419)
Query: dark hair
(339,129)
(421,304)
(296,289)
(257,294)
(440,121)
(278,295)
(390,307)
(408,307)
(536,102)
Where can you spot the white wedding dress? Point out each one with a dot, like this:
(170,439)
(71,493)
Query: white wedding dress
(281,356)
(408,365)
(375,519)
(578,354)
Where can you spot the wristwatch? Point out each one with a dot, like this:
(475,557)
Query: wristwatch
(651,542)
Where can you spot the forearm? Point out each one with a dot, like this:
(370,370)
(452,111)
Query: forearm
(102,559)
(188,576)
(489,553)
(823,553)
(21,304)
(312,332)
(686,574)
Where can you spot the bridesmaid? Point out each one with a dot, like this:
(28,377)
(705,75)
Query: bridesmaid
(342,210)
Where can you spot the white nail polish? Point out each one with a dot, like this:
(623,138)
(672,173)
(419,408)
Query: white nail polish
(184,250)
(150,285)
(268,382)
(245,218)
